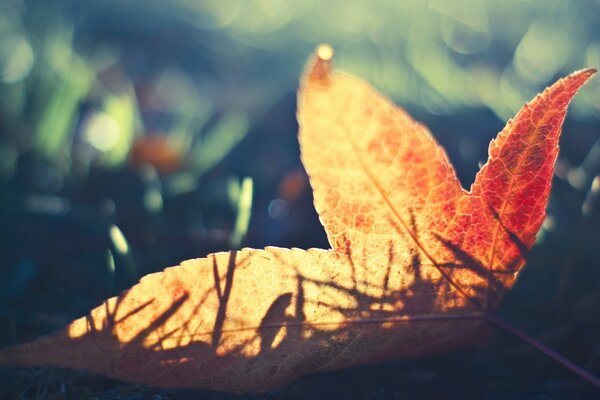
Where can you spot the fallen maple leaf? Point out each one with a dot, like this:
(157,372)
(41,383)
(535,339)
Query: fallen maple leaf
(416,261)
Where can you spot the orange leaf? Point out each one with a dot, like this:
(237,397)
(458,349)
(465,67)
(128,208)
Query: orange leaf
(415,260)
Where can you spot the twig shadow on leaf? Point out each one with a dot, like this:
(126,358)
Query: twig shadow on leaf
(287,345)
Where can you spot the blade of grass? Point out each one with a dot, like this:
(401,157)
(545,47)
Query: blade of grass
(219,141)
(244,211)
(121,246)
(570,365)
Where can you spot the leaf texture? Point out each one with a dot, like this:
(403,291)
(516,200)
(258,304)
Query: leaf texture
(404,190)
(242,321)
(415,258)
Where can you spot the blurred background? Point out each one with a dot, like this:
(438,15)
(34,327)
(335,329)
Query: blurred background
(135,134)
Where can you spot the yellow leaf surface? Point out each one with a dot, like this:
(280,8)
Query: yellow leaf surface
(415,260)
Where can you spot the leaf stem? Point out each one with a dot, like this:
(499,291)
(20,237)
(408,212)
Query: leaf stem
(358,321)
(507,326)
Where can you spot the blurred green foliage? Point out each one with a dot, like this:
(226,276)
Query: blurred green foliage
(439,56)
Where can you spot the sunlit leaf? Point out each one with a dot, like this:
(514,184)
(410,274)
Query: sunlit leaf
(415,260)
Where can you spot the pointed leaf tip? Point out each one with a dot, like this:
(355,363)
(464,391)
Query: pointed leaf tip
(588,71)
(325,52)
(321,64)
(581,77)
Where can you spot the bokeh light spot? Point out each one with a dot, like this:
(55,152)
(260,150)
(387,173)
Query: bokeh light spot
(101,131)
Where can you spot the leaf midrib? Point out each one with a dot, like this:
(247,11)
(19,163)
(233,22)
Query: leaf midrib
(507,198)
(403,224)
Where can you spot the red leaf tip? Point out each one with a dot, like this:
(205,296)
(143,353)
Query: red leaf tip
(584,74)
(321,64)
